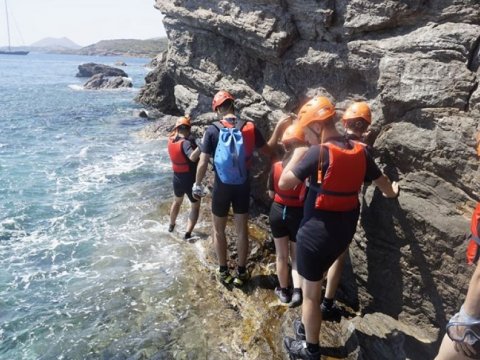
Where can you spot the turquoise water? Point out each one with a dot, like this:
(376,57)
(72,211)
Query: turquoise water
(87,269)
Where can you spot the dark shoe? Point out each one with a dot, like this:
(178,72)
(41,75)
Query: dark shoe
(297,349)
(283,294)
(171,227)
(299,330)
(241,279)
(332,313)
(187,235)
(297,298)
(225,277)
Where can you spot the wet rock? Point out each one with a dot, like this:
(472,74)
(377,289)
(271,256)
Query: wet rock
(100,81)
(90,69)
(417,64)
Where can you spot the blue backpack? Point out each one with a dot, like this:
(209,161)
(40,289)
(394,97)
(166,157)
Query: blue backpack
(230,160)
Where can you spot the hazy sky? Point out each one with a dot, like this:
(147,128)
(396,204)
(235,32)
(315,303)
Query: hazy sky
(83,21)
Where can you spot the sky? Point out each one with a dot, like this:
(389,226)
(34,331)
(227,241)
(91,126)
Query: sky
(84,22)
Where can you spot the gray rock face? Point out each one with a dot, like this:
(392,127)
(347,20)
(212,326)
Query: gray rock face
(99,81)
(416,63)
(90,69)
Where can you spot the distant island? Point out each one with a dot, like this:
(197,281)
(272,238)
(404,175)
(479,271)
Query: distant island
(122,47)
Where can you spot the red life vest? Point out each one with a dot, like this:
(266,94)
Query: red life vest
(292,197)
(338,189)
(248,134)
(180,163)
(474,238)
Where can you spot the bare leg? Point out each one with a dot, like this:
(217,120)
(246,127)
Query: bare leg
(193,217)
(447,351)
(241,226)
(175,208)
(293,257)
(219,239)
(311,314)
(281,248)
(334,275)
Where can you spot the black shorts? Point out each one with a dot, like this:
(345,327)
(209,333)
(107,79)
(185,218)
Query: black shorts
(182,184)
(285,220)
(224,195)
(321,239)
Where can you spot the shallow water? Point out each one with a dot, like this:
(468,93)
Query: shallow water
(87,269)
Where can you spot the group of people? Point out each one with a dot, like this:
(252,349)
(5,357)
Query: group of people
(314,188)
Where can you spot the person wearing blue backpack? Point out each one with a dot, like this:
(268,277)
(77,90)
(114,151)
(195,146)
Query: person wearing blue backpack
(231,142)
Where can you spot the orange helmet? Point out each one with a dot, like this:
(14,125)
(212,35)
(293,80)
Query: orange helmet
(317,109)
(220,97)
(293,133)
(184,120)
(358,110)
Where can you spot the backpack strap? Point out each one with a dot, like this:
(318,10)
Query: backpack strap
(239,124)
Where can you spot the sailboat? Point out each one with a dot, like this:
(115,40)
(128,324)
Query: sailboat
(10,51)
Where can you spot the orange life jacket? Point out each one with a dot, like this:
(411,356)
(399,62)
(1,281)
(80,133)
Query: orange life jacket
(338,189)
(180,163)
(291,197)
(248,134)
(474,238)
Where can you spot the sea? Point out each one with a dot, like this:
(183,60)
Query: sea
(87,267)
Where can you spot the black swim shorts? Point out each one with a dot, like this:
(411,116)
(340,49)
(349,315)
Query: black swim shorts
(285,220)
(321,239)
(224,195)
(182,184)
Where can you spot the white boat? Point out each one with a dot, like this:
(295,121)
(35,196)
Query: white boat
(10,51)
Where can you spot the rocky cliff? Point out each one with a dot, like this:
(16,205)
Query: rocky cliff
(416,63)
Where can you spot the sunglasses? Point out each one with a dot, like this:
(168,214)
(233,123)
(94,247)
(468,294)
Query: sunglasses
(464,332)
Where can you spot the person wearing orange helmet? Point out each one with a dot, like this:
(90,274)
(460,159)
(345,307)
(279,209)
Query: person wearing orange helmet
(286,213)
(184,155)
(226,195)
(336,168)
(356,119)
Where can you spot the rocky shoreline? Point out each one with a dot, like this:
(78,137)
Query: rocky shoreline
(418,66)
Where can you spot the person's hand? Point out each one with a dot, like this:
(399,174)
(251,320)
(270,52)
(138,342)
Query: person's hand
(396,189)
(198,191)
(282,124)
(466,349)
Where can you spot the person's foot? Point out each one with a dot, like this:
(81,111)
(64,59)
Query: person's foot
(187,235)
(297,349)
(331,313)
(283,294)
(241,279)
(299,329)
(297,298)
(171,227)
(225,277)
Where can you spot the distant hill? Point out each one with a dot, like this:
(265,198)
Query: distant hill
(53,43)
(125,47)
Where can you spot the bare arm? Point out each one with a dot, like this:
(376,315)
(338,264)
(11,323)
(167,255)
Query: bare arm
(202,168)
(472,305)
(389,189)
(271,194)
(195,155)
(278,131)
(288,180)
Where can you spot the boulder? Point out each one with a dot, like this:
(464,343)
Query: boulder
(100,81)
(90,69)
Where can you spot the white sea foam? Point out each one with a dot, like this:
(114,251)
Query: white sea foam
(76,87)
